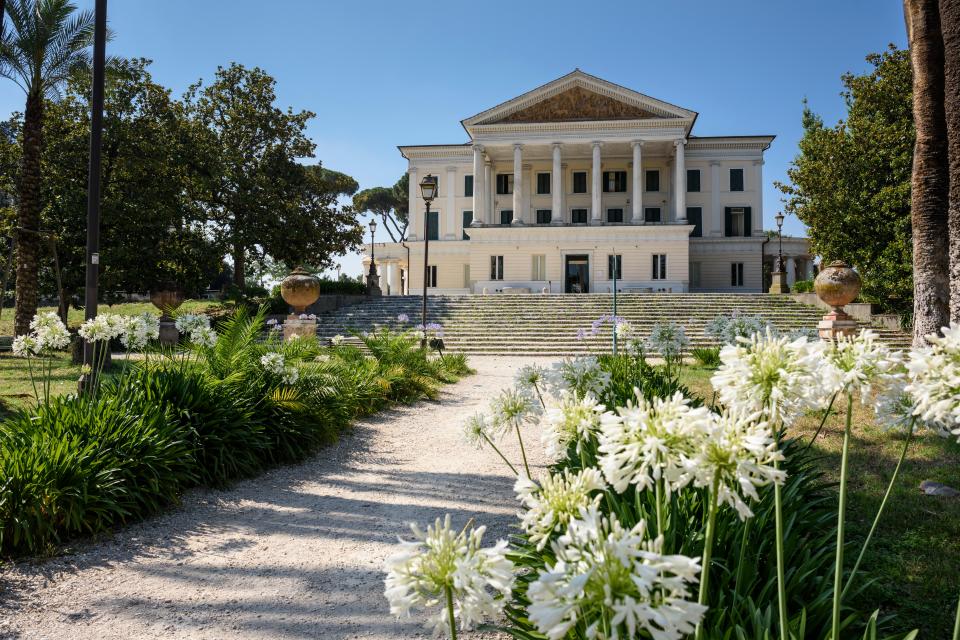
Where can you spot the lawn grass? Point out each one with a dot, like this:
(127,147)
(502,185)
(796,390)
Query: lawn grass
(914,557)
(75,316)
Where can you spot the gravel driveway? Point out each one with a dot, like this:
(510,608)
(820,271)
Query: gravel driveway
(294,553)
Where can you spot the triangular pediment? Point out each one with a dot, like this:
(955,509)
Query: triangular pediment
(578,97)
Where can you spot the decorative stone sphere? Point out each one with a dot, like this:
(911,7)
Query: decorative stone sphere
(837,285)
(166,300)
(300,289)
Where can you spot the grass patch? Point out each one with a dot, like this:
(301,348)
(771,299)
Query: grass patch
(914,558)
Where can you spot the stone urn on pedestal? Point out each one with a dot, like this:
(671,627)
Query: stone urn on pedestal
(300,289)
(167,300)
(837,285)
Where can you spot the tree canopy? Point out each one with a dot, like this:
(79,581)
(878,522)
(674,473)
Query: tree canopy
(850,184)
(390,204)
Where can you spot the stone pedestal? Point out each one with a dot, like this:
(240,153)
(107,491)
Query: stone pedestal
(299,327)
(168,333)
(779,284)
(835,324)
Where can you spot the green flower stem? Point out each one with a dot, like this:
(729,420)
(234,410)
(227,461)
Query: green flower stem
(823,421)
(841,512)
(956,624)
(523,452)
(453,623)
(539,395)
(708,549)
(490,442)
(744,538)
(659,498)
(33,381)
(781,560)
(883,503)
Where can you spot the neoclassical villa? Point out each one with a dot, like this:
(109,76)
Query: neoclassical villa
(579,181)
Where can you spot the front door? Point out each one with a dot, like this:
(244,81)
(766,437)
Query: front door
(577,274)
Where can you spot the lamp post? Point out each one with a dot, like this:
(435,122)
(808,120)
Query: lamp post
(428,190)
(779,219)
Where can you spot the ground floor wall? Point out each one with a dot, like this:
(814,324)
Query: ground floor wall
(733,265)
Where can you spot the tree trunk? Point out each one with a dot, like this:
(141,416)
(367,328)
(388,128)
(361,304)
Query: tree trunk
(930,183)
(239,265)
(28,216)
(950,29)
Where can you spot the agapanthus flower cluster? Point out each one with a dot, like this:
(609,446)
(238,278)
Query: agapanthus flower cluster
(198,328)
(651,441)
(433,329)
(934,380)
(403,318)
(337,340)
(50,332)
(102,328)
(513,407)
(580,376)
(138,330)
(555,500)
(597,325)
(728,328)
(275,364)
(858,361)
(570,420)
(25,346)
(668,339)
(530,377)
(441,559)
(776,375)
(601,566)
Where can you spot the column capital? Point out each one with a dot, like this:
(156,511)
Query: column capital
(517,146)
(636,143)
(488,162)
(714,163)
(450,167)
(679,142)
(556,145)
(526,167)
(478,148)
(758,163)
(596,144)
(412,170)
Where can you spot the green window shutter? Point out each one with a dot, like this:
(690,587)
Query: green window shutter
(746,222)
(727,222)
(468,186)
(695,217)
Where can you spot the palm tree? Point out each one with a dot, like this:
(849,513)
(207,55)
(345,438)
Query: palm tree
(930,183)
(45,40)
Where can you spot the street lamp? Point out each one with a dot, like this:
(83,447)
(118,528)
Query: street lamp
(779,219)
(428,190)
(373,262)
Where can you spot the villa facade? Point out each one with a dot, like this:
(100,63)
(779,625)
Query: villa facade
(580,183)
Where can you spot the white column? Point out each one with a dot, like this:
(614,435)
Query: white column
(412,204)
(716,213)
(478,182)
(382,277)
(680,182)
(595,185)
(518,217)
(810,265)
(791,270)
(637,201)
(556,189)
(394,279)
(488,214)
(529,216)
(758,214)
(451,218)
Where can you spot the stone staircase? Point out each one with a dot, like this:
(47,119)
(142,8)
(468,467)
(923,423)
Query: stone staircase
(538,324)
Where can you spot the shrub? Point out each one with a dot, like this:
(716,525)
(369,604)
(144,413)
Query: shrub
(803,286)
(727,328)
(707,356)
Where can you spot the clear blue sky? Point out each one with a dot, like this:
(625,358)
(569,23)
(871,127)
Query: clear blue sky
(379,74)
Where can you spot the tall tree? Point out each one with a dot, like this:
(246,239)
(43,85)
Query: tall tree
(391,204)
(44,41)
(246,155)
(930,183)
(950,28)
(855,175)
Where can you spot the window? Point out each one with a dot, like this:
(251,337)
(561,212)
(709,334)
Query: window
(496,267)
(506,216)
(695,217)
(543,216)
(652,180)
(615,267)
(651,214)
(614,215)
(659,266)
(468,186)
(538,270)
(433,226)
(578,216)
(467,221)
(543,183)
(736,274)
(736,222)
(693,180)
(579,181)
(504,184)
(736,179)
(614,181)
(432,273)
(694,274)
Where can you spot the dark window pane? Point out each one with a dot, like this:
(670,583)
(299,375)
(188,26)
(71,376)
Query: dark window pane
(433,226)
(579,181)
(578,216)
(614,267)
(468,186)
(506,216)
(651,214)
(504,184)
(693,180)
(736,179)
(543,183)
(467,221)
(614,181)
(695,217)
(543,216)
(652,180)
(614,215)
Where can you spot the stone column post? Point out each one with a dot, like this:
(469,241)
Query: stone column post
(596,188)
(395,279)
(451,207)
(518,217)
(556,189)
(478,182)
(489,190)
(637,195)
(412,204)
(791,268)
(716,212)
(680,182)
(758,215)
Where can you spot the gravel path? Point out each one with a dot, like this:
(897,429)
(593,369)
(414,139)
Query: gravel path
(294,553)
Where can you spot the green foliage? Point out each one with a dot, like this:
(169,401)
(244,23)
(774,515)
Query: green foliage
(707,356)
(850,184)
(630,374)
(392,204)
(803,286)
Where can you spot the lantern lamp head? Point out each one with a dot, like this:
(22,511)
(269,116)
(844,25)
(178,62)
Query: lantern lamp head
(373,226)
(428,188)
(779,219)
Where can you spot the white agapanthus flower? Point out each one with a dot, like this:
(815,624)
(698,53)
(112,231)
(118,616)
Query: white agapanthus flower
(892,405)
(555,500)
(50,332)
(605,571)
(530,377)
(649,441)
(273,362)
(668,339)
(859,361)
(477,429)
(779,376)
(580,376)
(203,337)
(102,328)
(440,558)
(570,420)
(290,374)
(512,408)
(191,322)
(25,346)
(934,374)
(337,340)
(139,330)
(737,452)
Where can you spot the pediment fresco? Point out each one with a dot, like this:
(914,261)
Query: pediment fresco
(576,104)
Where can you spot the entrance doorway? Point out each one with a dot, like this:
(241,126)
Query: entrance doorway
(577,274)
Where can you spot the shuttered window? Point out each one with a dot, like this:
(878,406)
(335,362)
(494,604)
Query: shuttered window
(579,181)
(615,267)
(614,215)
(614,181)
(467,221)
(468,186)
(695,217)
(433,226)
(652,180)
(506,216)
(504,184)
(578,216)
(543,183)
(543,216)
(538,268)
(736,274)
(736,179)
(693,180)
(737,222)
(496,267)
(651,214)
(659,271)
